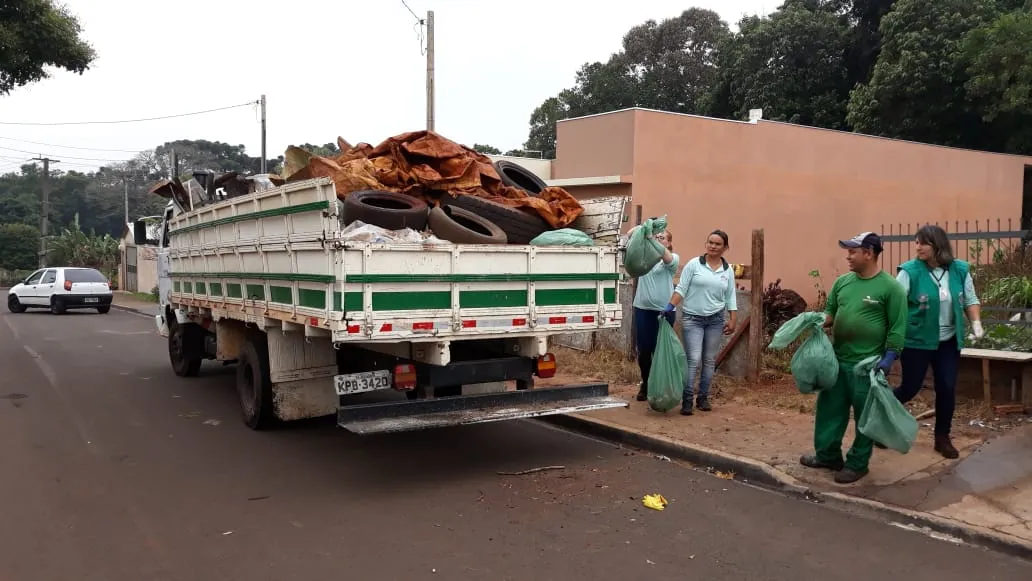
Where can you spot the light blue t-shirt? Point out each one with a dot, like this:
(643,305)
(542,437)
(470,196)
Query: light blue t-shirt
(656,286)
(706,291)
(941,277)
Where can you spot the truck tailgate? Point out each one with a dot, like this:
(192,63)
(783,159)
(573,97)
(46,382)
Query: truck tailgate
(413,292)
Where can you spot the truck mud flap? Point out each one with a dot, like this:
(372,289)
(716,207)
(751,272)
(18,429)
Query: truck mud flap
(475,409)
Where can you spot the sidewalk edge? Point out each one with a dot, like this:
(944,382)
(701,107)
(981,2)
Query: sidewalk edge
(752,471)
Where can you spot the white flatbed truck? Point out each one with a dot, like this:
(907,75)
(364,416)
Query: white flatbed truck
(313,321)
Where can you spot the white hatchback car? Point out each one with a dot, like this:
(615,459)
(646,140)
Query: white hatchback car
(60,289)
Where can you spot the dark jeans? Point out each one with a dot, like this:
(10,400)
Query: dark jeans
(945,362)
(646,330)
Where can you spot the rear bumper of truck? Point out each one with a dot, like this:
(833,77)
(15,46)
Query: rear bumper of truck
(475,409)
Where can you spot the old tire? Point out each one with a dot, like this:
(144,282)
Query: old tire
(254,385)
(520,226)
(14,305)
(184,343)
(515,175)
(385,209)
(464,227)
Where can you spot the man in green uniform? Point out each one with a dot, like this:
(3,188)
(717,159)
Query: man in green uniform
(867,311)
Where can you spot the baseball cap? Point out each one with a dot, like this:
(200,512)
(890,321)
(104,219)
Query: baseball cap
(868,240)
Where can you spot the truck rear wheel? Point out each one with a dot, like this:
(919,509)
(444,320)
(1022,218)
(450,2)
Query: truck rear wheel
(184,342)
(254,386)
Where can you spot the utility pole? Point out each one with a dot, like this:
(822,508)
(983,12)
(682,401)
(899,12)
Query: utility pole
(264,169)
(430,70)
(125,183)
(44,219)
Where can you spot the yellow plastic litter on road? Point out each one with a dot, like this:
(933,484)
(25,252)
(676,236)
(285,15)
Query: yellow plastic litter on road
(654,501)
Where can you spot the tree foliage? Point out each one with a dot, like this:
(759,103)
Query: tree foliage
(35,35)
(73,247)
(20,246)
(486,149)
(948,72)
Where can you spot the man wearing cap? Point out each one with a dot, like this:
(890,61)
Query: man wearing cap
(867,311)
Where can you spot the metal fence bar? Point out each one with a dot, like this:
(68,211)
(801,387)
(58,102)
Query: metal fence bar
(979,242)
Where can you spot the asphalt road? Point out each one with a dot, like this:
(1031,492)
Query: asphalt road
(113,469)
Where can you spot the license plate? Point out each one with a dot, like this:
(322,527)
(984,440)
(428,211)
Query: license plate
(92,300)
(362,382)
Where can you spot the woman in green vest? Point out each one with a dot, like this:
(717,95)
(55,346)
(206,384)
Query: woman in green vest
(939,293)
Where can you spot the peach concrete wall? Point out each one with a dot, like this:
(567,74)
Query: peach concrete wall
(599,191)
(599,145)
(805,187)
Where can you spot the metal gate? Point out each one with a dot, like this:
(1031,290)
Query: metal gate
(131,283)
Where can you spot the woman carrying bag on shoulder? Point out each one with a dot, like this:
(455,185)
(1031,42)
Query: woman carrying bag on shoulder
(651,288)
(940,292)
(705,292)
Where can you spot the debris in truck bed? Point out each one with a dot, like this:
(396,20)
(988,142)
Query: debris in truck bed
(426,165)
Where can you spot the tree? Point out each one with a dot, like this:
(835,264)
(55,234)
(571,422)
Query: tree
(34,35)
(997,58)
(73,247)
(917,91)
(668,65)
(486,149)
(20,244)
(791,64)
(326,150)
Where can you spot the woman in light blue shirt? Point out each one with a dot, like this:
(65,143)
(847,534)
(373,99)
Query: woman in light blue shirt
(651,290)
(705,292)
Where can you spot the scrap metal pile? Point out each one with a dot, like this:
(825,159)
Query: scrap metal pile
(419,181)
(422,180)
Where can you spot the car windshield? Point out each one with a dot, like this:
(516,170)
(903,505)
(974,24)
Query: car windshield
(84,275)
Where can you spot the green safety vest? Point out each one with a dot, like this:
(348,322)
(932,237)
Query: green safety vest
(923,304)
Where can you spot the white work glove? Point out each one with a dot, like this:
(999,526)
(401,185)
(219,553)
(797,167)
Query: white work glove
(976,329)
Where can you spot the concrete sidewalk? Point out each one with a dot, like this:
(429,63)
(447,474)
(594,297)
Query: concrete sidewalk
(986,494)
(128,302)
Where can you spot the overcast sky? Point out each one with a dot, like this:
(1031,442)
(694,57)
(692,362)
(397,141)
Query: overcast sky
(328,67)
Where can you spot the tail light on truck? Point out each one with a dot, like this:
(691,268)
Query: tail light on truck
(405,377)
(68,285)
(545,366)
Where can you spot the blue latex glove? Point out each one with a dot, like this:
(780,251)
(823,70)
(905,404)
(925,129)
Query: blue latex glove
(887,360)
(669,308)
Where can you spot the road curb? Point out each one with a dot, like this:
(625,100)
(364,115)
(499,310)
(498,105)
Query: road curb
(755,472)
(126,309)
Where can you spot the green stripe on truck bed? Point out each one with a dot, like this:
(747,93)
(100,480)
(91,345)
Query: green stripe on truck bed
(285,211)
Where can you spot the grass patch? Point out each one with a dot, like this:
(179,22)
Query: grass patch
(144,297)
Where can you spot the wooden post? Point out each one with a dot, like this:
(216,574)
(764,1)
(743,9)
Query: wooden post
(755,362)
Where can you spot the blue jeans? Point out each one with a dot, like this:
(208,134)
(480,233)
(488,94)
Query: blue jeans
(702,337)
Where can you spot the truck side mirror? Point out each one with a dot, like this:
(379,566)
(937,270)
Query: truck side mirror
(140,232)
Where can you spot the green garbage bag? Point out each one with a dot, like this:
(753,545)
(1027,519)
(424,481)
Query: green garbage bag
(642,252)
(884,420)
(669,370)
(563,237)
(814,365)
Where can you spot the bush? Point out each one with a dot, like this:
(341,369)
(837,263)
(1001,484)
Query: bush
(780,305)
(12,277)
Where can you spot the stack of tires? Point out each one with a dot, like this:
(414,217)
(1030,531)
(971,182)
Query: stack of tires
(461,219)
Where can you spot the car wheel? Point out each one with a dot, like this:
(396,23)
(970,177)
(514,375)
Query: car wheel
(57,306)
(463,227)
(385,209)
(520,226)
(517,176)
(254,385)
(104,310)
(14,305)
(182,348)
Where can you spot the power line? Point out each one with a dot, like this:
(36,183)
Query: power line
(67,156)
(248,104)
(72,146)
(414,15)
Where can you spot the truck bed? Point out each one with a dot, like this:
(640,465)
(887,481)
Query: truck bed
(278,254)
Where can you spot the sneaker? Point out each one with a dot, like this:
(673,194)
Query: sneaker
(643,393)
(848,476)
(811,461)
(703,405)
(945,447)
(686,409)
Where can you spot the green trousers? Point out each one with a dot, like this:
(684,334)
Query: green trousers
(832,419)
